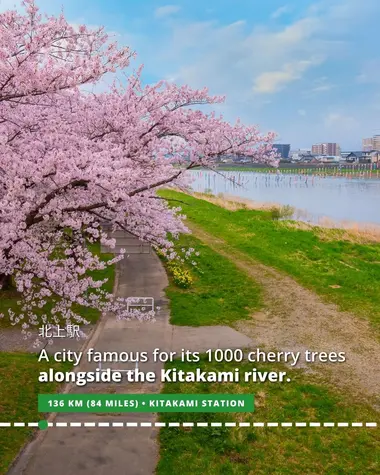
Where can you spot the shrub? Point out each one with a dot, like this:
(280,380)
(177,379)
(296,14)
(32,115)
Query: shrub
(281,212)
(275,213)
(181,277)
(286,211)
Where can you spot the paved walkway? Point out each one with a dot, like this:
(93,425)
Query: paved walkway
(116,451)
(11,340)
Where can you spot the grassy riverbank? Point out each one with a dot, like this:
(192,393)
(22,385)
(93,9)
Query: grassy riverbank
(276,450)
(354,171)
(328,261)
(220,294)
(309,396)
(19,389)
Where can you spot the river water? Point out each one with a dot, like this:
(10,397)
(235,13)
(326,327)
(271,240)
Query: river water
(313,197)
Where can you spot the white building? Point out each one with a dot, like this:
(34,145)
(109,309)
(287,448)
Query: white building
(298,154)
(329,158)
(372,143)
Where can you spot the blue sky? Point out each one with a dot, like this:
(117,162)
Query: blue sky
(309,70)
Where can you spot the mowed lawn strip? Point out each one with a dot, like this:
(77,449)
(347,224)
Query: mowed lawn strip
(247,451)
(220,293)
(274,450)
(342,271)
(19,389)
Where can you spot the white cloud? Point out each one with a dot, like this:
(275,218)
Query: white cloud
(249,63)
(274,81)
(281,11)
(166,10)
(341,122)
(323,88)
(319,85)
(298,31)
(233,63)
(237,64)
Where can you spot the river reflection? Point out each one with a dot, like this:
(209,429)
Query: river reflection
(314,197)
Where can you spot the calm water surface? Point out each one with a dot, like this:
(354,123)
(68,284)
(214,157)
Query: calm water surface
(337,198)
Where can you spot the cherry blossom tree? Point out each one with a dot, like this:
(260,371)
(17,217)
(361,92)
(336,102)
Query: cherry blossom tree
(72,160)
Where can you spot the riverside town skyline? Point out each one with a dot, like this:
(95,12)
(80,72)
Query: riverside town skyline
(369,146)
(332,148)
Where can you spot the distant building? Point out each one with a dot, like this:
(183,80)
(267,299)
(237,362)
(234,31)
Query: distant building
(329,149)
(352,157)
(344,155)
(371,144)
(282,149)
(329,158)
(367,144)
(298,154)
(317,149)
(370,156)
(308,158)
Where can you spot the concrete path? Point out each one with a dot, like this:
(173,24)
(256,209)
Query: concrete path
(11,340)
(121,451)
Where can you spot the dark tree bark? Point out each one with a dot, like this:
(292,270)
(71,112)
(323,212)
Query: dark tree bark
(5,282)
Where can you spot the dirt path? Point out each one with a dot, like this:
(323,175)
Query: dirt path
(296,319)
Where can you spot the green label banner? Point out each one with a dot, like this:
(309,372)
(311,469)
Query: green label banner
(145,403)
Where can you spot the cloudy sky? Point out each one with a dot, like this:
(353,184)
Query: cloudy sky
(309,70)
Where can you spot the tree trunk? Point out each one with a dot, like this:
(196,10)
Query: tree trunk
(5,282)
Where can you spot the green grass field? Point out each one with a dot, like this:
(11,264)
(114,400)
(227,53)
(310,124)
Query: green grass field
(307,398)
(274,450)
(219,295)
(19,389)
(341,271)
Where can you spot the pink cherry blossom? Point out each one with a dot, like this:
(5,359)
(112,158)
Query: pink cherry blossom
(71,160)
